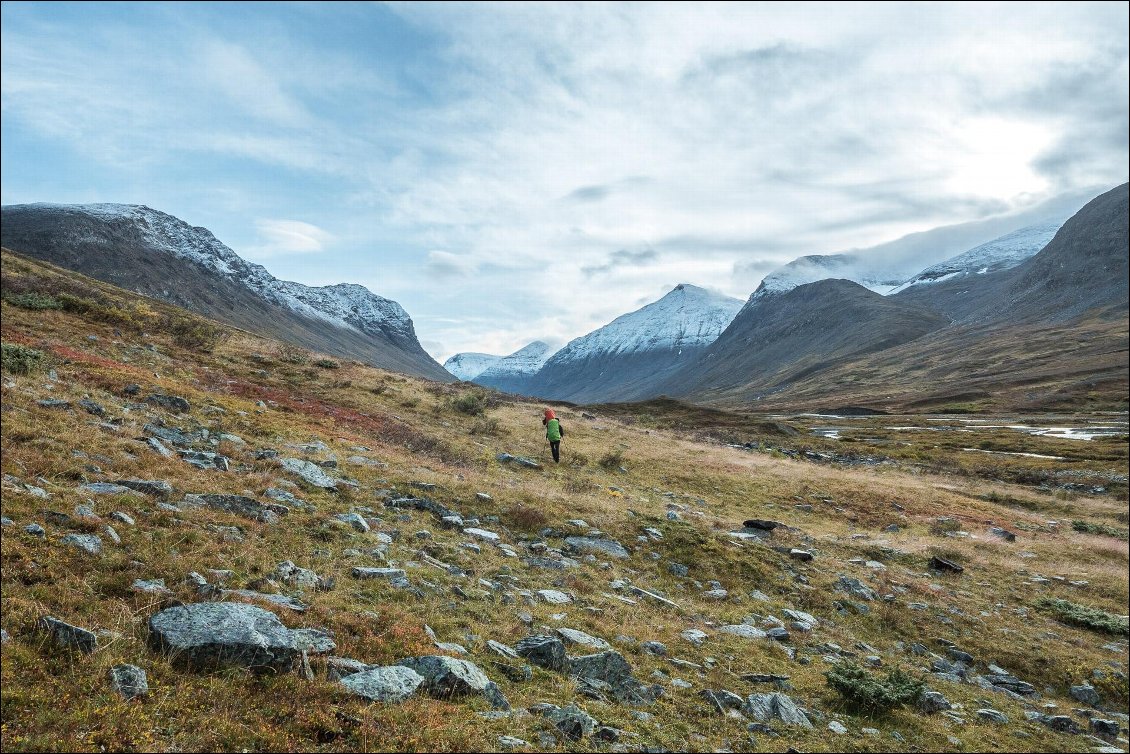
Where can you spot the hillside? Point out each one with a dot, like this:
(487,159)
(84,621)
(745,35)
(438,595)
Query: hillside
(362,520)
(153,253)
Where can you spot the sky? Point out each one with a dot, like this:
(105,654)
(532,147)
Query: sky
(518,171)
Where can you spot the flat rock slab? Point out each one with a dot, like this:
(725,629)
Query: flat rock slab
(208,635)
(360,572)
(941,564)
(155,487)
(482,534)
(448,677)
(527,463)
(609,547)
(612,669)
(310,473)
(275,599)
(88,543)
(744,631)
(554,597)
(572,636)
(544,651)
(767,708)
(389,684)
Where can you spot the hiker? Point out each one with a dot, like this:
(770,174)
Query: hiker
(553,432)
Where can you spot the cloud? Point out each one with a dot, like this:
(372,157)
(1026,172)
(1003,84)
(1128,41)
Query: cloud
(621,258)
(277,238)
(447,266)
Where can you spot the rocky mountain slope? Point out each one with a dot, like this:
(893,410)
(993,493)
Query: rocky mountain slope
(156,254)
(214,550)
(626,358)
(512,373)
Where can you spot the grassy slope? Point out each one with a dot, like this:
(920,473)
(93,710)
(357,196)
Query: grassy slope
(59,702)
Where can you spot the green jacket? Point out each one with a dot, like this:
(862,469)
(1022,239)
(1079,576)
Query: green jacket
(553,430)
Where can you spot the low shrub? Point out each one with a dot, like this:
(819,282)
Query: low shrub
(611,461)
(33,300)
(195,334)
(17,359)
(485,425)
(1074,614)
(1086,527)
(291,354)
(472,404)
(873,694)
(327,364)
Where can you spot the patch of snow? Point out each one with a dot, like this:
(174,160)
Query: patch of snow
(467,366)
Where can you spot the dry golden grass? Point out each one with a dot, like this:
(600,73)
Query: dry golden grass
(63,702)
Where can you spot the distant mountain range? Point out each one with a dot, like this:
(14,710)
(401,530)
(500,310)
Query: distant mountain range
(156,254)
(512,373)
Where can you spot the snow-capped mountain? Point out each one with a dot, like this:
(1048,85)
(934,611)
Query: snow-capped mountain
(512,373)
(157,254)
(467,366)
(809,269)
(622,359)
(999,254)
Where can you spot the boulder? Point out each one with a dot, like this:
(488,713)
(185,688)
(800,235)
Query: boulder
(129,681)
(607,547)
(393,683)
(448,677)
(310,473)
(88,543)
(68,636)
(544,651)
(572,636)
(611,668)
(208,635)
(767,708)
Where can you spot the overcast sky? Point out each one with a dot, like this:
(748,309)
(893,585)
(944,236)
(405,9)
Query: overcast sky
(516,172)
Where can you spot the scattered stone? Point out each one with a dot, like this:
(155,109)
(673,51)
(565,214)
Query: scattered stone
(35,530)
(129,681)
(171,402)
(767,708)
(390,684)
(694,636)
(744,631)
(573,722)
(483,535)
(762,524)
(310,473)
(519,460)
(446,677)
(1060,723)
(612,669)
(67,636)
(88,543)
(206,460)
(607,547)
(1106,729)
(572,636)
(992,716)
(207,635)
(54,403)
(239,505)
(1004,534)
(124,518)
(544,651)
(657,648)
(837,728)
(554,597)
(154,586)
(104,488)
(802,555)
(289,573)
(356,520)
(1086,694)
(155,487)
(855,588)
(156,445)
(941,564)
(92,407)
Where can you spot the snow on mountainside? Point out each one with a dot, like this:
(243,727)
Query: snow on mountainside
(999,254)
(345,305)
(468,366)
(814,267)
(688,316)
(525,361)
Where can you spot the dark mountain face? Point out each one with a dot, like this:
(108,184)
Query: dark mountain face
(157,255)
(1082,269)
(780,338)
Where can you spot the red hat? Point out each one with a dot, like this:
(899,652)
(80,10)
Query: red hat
(549,414)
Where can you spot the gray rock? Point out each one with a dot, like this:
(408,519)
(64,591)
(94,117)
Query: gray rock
(124,518)
(657,648)
(174,437)
(154,586)
(310,473)
(573,722)
(608,547)
(572,636)
(289,573)
(611,668)
(511,742)
(356,520)
(155,487)
(678,569)
(389,574)
(129,681)
(941,564)
(281,600)
(744,631)
(313,641)
(544,651)
(483,535)
(855,588)
(1060,723)
(208,635)
(205,459)
(88,543)
(67,636)
(239,505)
(390,684)
(933,701)
(762,524)
(171,402)
(801,555)
(341,667)
(554,597)
(1086,694)
(694,636)
(157,446)
(1106,729)
(35,530)
(518,460)
(767,708)
(837,728)
(447,677)
(992,716)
